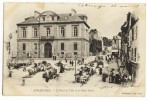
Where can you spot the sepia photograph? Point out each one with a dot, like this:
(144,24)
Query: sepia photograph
(74,49)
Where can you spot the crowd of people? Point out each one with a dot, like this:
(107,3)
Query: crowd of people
(117,75)
(84,71)
(114,76)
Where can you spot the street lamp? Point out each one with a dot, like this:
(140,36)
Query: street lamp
(75,68)
(10,37)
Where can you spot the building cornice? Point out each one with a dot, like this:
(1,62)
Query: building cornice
(77,39)
(40,23)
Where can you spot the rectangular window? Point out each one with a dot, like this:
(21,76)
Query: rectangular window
(35,46)
(136,32)
(75,53)
(48,31)
(132,34)
(135,53)
(62,30)
(75,31)
(62,46)
(35,32)
(24,46)
(75,46)
(23,32)
(132,53)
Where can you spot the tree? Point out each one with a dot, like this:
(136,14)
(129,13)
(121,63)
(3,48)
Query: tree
(92,33)
(95,44)
(99,45)
(107,42)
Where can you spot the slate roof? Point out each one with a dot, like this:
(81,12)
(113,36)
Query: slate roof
(61,18)
(69,17)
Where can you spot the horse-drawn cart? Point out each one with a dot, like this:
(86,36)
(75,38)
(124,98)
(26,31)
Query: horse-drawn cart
(50,74)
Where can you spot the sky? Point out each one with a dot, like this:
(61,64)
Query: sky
(106,18)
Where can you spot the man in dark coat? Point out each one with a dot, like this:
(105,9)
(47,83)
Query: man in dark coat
(55,57)
(10,73)
(104,76)
(61,69)
(23,82)
(72,62)
(100,71)
(111,77)
(82,60)
(65,60)
(117,78)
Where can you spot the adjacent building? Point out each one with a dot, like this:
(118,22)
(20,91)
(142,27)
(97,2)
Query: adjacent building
(129,44)
(116,46)
(50,34)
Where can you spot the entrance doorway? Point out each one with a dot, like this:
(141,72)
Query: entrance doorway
(47,50)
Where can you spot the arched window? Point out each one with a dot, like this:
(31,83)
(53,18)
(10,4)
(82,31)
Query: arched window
(48,31)
(62,31)
(75,30)
(24,32)
(35,32)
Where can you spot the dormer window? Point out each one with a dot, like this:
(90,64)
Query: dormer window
(53,19)
(43,18)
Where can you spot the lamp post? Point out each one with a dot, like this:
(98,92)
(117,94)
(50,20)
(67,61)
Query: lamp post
(75,69)
(10,37)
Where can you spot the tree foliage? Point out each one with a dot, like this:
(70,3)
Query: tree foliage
(107,42)
(95,44)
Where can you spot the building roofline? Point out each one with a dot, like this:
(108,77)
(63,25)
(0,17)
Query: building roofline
(38,23)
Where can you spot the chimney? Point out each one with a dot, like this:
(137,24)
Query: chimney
(36,14)
(73,12)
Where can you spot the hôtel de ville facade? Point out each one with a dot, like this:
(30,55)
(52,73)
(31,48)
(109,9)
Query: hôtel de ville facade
(46,34)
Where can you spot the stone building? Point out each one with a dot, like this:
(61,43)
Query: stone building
(129,44)
(49,34)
